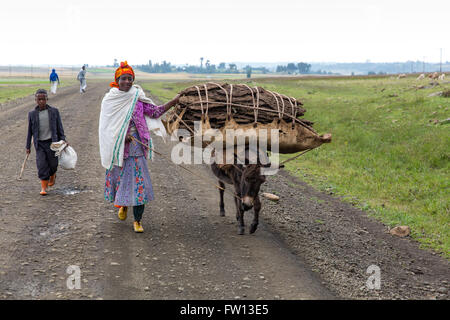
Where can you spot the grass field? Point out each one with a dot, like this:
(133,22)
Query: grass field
(14,88)
(390,151)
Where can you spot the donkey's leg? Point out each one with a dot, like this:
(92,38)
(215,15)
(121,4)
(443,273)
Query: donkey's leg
(238,206)
(222,205)
(239,213)
(238,202)
(241,226)
(256,209)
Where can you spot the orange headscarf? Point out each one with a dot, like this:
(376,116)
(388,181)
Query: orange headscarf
(123,69)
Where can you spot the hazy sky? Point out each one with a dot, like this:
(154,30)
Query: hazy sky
(182,31)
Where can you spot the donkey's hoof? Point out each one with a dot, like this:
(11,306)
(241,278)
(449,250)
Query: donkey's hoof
(253,228)
(222,213)
(241,231)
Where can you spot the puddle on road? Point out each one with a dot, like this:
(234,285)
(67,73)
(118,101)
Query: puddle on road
(70,191)
(56,231)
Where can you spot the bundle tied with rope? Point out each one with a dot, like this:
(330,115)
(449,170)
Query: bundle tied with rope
(254,110)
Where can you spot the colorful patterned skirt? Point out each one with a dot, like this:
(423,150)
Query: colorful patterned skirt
(130,185)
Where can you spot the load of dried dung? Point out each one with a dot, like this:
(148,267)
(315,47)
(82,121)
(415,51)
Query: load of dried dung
(252,109)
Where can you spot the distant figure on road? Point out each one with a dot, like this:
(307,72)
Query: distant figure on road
(82,78)
(45,127)
(54,80)
(125,142)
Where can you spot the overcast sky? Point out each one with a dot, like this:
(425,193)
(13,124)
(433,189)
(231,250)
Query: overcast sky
(180,31)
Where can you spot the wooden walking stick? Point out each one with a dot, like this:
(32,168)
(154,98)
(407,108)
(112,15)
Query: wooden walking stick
(23,167)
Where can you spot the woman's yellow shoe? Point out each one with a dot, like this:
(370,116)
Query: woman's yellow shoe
(138,227)
(123,213)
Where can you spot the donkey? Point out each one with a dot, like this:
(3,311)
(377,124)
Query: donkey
(247,180)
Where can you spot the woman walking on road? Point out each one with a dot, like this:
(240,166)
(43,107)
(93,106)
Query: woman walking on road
(123,130)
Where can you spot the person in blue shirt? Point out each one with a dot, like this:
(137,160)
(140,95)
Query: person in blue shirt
(54,80)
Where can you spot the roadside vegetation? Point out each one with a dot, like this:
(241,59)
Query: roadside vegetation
(14,88)
(390,151)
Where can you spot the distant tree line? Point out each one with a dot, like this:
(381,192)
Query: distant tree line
(371,68)
(368,67)
(372,73)
(207,67)
(166,67)
(291,68)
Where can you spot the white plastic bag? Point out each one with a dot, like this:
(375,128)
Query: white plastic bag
(68,158)
(66,154)
(157,127)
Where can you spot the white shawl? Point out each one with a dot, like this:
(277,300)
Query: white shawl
(115,115)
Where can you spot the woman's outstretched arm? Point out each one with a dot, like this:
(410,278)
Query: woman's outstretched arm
(157,111)
(171,103)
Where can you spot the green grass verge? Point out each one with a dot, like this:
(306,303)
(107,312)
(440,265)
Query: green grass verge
(14,88)
(25,81)
(387,156)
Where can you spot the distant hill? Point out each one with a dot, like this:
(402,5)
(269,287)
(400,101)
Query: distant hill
(358,68)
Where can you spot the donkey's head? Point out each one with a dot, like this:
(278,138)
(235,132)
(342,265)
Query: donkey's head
(251,180)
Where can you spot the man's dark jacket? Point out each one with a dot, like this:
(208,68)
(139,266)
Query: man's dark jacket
(55,126)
